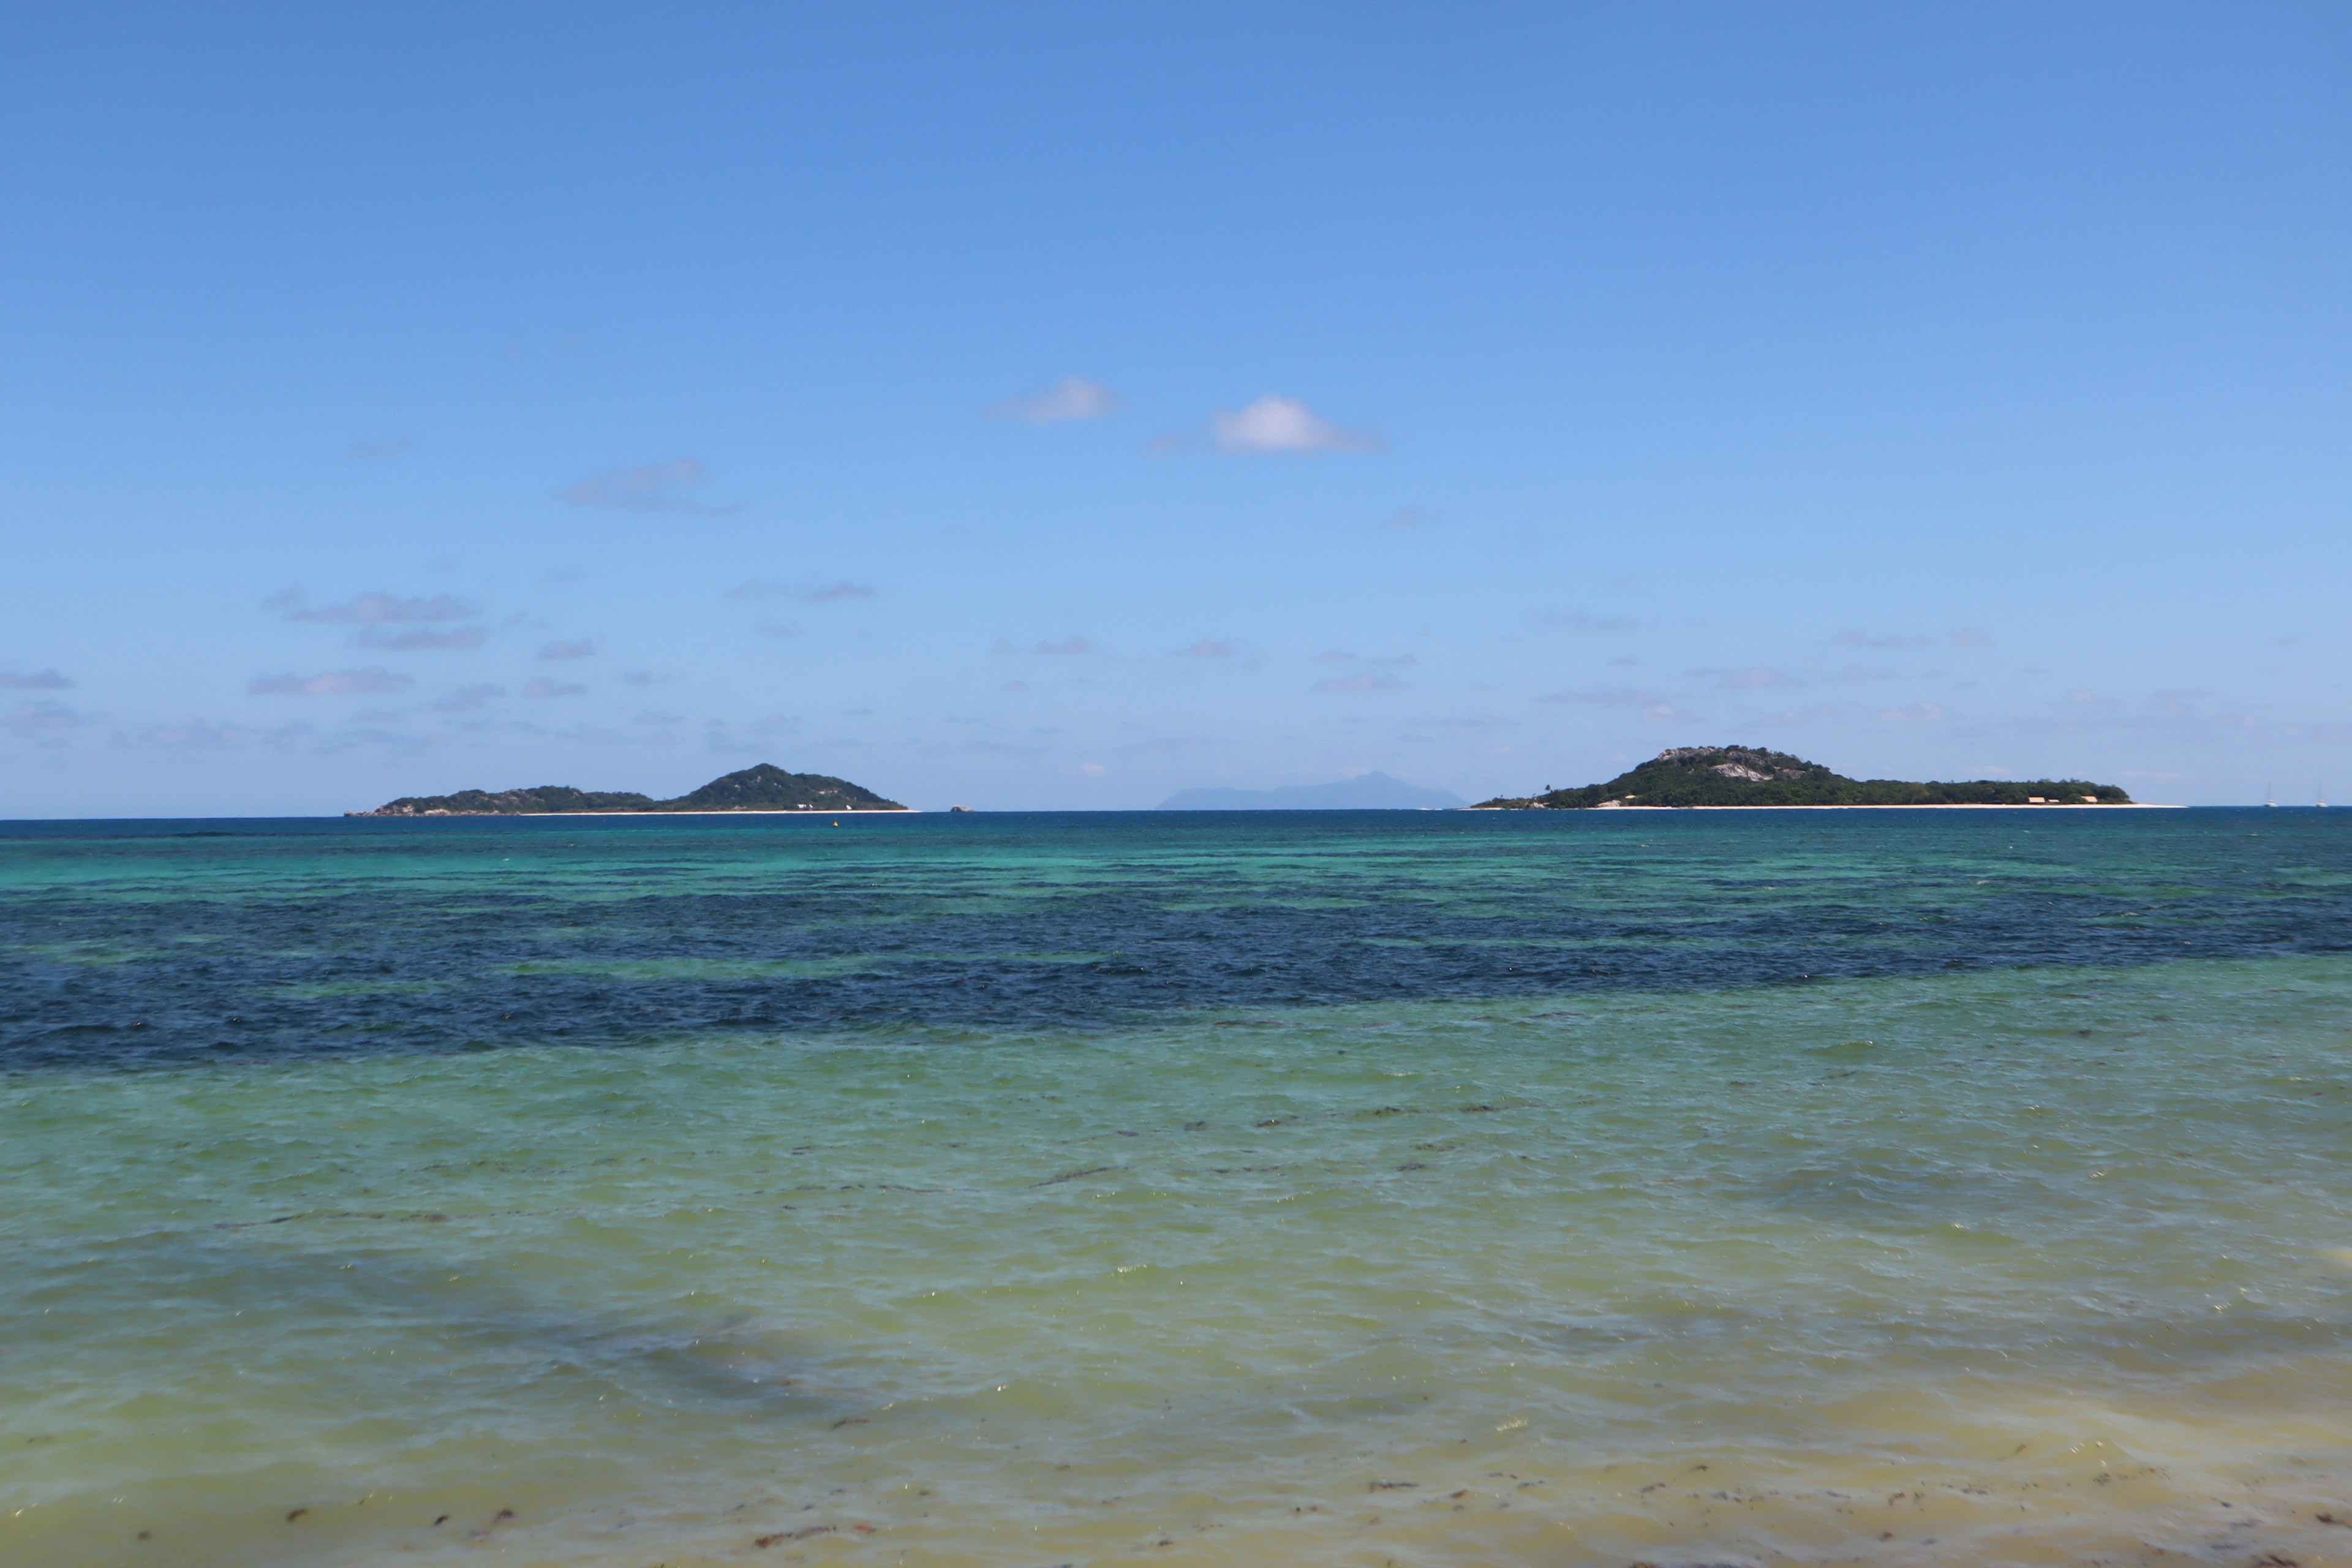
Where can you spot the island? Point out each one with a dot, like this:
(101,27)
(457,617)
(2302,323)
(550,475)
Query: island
(1750,775)
(765,787)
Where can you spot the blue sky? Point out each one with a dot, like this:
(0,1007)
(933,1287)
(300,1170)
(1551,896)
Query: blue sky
(1058,407)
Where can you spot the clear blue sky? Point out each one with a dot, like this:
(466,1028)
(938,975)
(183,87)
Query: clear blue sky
(1060,405)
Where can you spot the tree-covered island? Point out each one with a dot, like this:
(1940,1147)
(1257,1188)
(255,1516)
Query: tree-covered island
(765,787)
(1748,775)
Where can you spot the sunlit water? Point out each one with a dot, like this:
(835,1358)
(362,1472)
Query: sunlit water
(1786,1188)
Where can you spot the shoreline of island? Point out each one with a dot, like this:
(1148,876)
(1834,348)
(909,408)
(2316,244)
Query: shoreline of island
(708,811)
(1879,805)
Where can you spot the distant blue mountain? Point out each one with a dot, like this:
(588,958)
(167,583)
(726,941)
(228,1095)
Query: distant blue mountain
(1365,791)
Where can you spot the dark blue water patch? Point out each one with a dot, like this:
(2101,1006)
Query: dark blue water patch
(124,943)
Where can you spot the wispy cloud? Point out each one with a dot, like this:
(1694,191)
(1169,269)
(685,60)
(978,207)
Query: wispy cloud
(1578,620)
(805,592)
(541,687)
(204,735)
(1075,397)
(1275,424)
(646,676)
(1470,721)
(651,486)
(584,648)
(1067,646)
(468,698)
(363,451)
(377,609)
(417,639)
(1209,648)
(1341,656)
(38,680)
(1966,637)
(1370,681)
(1405,517)
(336,683)
(780,628)
(44,721)
(1914,713)
(1753,679)
(1608,696)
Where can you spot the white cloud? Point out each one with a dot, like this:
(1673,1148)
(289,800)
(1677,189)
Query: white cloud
(650,486)
(1207,648)
(38,680)
(1404,517)
(1915,713)
(542,687)
(1275,424)
(336,683)
(1075,397)
(584,648)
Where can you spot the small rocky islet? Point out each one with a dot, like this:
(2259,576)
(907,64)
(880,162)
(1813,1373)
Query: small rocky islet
(763,787)
(1750,776)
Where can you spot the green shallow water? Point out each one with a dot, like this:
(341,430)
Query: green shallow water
(2046,1264)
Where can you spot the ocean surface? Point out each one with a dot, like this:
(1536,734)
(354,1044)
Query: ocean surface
(1966,1187)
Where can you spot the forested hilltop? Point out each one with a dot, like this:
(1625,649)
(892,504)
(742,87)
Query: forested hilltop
(1748,775)
(765,787)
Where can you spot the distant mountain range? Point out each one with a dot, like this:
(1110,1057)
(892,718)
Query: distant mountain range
(765,787)
(1365,791)
(1748,775)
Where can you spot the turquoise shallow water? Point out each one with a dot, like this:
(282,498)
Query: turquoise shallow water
(1429,1189)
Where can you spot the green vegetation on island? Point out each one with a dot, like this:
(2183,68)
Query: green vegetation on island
(765,787)
(1748,775)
